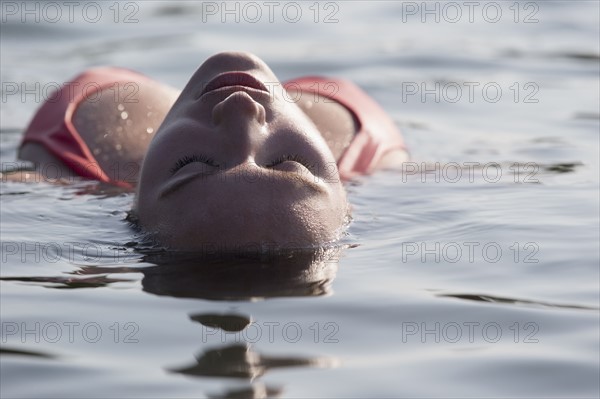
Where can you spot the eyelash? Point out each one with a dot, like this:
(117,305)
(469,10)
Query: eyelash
(289,157)
(193,158)
(209,161)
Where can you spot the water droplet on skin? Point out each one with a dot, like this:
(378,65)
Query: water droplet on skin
(124,115)
(149,130)
(118,147)
(121,107)
(149,114)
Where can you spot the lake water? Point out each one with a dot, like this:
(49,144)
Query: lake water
(474,272)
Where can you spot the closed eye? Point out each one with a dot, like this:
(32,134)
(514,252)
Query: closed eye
(290,157)
(193,158)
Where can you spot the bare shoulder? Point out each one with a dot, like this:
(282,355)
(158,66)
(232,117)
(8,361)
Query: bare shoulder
(393,160)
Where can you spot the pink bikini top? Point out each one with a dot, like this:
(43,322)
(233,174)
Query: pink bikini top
(377,133)
(52,126)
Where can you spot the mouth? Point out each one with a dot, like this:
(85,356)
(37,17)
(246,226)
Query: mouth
(229,79)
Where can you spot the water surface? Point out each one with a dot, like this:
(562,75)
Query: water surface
(471,273)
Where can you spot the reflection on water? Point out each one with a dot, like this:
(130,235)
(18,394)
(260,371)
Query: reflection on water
(515,301)
(255,391)
(242,276)
(299,273)
(67,282)
(216,277)
(241,361)
(226,322)
(21,352)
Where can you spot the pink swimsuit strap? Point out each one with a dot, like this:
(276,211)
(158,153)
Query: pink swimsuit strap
(377,133)
(53,128)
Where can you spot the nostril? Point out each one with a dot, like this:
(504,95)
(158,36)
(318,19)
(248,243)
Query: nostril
(239,106)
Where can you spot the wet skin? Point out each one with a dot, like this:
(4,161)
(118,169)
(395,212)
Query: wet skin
(237,163)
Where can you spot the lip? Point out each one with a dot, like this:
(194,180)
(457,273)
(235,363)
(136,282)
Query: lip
(228,79)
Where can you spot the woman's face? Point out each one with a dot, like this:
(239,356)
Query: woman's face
(236,164)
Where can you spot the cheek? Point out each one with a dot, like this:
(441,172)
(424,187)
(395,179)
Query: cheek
(152,170)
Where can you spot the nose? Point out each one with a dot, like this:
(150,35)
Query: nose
(242,122)
(237,110)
